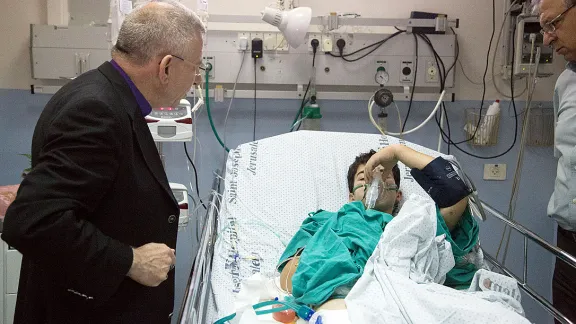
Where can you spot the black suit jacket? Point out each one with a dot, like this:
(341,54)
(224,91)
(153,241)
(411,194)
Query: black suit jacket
(96,189)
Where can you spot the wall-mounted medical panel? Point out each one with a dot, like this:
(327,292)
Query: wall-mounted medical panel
(397,55)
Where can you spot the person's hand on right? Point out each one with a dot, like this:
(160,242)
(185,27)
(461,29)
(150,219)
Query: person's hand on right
(151,264)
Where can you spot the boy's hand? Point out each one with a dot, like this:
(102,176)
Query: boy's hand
(384,160)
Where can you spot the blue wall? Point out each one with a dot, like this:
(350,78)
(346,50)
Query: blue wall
(19,111)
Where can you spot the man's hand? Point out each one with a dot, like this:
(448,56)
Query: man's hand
(151,264)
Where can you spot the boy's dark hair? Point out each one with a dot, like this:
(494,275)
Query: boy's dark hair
(363,159)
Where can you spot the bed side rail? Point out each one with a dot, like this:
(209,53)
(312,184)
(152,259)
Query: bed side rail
(522,282)
(197,289)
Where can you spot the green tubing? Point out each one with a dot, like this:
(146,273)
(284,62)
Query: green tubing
(207,102)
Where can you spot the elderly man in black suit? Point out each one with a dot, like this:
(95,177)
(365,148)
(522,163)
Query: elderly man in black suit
(95,219)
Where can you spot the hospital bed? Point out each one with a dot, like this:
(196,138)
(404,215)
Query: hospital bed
(268,188)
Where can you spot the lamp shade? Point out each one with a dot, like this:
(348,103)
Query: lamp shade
(293,24)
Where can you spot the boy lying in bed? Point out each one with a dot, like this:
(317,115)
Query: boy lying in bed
(328,254)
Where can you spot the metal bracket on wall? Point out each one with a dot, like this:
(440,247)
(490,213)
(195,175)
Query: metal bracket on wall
(276,94)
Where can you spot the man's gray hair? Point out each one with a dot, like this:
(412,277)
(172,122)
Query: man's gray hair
(567,3)
(148,32)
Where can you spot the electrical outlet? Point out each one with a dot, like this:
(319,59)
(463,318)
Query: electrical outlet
(407,72)
(327,43)
(270,42)
(495,172)
(210,61)
(349,38)
(314,36)
(431,72)
(256,35)
(281,43)
(243,41)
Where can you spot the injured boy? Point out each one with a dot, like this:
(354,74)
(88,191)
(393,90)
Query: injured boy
(328,254)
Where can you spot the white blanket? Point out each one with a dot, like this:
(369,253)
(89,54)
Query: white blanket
(402,279)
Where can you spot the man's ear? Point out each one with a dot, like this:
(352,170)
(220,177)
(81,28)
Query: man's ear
(164,69)
(399,196)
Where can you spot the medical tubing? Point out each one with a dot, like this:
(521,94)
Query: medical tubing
(195,174)
(441,128)
(520,159)
(413,85)
(455,144)
(285,306)
(210,115)
(447,125)
(453,66)
(485,71)
(375,45)
(504,21)
(304,101)
(254,115)
(415,128)
(399,117)
(301,104)
(297,123)
(232,97)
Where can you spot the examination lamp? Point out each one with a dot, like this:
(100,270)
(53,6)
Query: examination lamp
(293,23)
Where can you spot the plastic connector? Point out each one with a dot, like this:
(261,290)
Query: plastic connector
(340,43)
(243,44)
(305,313)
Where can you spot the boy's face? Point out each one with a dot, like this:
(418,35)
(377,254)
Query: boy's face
(387,199)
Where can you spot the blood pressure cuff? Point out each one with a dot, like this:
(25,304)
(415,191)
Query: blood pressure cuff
(442,182)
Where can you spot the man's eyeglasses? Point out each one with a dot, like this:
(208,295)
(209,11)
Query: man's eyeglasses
(550,27)
(199,68)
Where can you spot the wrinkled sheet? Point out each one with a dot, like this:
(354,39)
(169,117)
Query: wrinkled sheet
(402,281)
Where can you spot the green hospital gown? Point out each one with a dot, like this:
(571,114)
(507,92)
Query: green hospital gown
(463,238)
(338,245)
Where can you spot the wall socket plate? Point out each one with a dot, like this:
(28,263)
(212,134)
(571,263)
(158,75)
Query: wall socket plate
(431,72)
(270,43)
(495,172)
(349,38)
(254,35)
(212,61)
(281,43)
(243,38)
(327,43)
(312,36)
(407,72)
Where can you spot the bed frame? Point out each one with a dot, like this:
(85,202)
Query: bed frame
(198,289)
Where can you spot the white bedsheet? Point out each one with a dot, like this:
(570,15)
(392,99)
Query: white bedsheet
(270,187)
(402,279)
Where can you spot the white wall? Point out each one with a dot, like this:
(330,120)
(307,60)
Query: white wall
(474,32)
(15,20)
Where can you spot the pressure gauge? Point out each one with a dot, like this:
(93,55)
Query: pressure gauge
(382,77)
